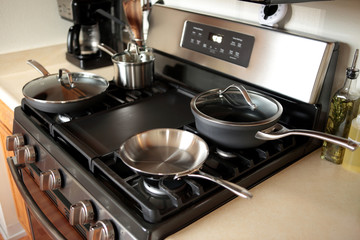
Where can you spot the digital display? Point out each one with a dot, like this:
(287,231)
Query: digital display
(217,38)
(230,46)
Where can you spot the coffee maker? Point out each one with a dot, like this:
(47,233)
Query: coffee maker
(89,29)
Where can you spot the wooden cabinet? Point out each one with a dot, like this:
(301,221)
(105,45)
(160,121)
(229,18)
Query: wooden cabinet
(6,126)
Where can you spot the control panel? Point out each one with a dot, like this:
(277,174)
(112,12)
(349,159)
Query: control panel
(227,45)
(86,216)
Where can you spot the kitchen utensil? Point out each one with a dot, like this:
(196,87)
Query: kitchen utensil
(63,92)
(133,13)
(167,152)
(132,69)
(229,120)
(117,21)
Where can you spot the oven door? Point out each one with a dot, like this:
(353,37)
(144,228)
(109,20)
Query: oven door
(46,220)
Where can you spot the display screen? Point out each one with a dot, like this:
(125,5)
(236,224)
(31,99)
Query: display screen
(234,47)
(217,38)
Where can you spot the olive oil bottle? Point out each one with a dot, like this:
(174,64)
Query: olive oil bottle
(343,109)
(351,160)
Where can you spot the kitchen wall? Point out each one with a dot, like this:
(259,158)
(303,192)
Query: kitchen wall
(36,23)
(30,24)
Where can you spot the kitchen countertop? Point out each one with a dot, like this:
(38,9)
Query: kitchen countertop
(311,199)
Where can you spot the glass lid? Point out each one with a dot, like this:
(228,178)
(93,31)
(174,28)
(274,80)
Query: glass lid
(63,88)
(231,106)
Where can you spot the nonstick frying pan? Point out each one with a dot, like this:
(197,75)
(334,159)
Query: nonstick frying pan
(239,119)
(167,152)
(63,92)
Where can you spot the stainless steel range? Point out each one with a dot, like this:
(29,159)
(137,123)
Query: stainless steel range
(74,158)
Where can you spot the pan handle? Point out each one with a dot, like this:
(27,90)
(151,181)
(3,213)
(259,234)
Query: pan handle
(279,131)
(107,49)
(238,190)
(38,67)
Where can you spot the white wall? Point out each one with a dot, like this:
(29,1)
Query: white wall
(28,24)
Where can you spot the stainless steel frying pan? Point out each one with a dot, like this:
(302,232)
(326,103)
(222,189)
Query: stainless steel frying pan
(166,152)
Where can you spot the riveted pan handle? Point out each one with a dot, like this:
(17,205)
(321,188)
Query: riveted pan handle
(279,131)
(40,68)
(238,190)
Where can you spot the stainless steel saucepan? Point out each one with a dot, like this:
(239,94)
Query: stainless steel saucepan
(133,69)
(167,152)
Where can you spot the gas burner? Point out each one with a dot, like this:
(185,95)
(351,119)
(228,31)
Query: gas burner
(62,118)
(225,154)
(67,117)
(162,187)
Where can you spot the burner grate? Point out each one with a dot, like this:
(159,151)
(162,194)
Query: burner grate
(156,200)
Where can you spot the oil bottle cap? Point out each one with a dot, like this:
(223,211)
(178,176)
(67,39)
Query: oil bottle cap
(353,72)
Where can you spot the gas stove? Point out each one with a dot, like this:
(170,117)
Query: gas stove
(100,196)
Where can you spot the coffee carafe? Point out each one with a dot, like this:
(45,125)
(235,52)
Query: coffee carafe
(88,31)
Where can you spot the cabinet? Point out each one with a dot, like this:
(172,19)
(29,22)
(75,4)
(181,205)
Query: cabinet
(6,125)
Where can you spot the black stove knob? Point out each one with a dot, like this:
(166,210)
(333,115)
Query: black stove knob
(50,180)
(14,141)
(102,230)
(25,154)
(81,213)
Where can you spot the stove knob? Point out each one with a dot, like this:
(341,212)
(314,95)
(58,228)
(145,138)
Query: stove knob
(25,154)
(50,180)
(103,230)
(14,141)
(81,213)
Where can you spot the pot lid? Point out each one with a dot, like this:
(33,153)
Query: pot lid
(64,88)
(231,107)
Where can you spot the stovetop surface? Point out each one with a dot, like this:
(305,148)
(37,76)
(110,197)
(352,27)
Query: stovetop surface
(104,132)
(160,206)
(94,138)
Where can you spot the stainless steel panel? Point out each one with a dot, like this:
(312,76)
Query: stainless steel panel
(288,64)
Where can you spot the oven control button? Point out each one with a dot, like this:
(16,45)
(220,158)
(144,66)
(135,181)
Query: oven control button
(50,180)
(25,154)
(103,230)
(14,141)
(81,213)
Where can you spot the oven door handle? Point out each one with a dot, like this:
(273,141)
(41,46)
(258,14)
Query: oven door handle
(30,202)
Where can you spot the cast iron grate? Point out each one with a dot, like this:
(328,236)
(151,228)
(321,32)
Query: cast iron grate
(154,208)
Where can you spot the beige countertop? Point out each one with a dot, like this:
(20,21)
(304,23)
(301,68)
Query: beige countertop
(311,199)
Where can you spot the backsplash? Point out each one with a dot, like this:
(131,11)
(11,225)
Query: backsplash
(336,20)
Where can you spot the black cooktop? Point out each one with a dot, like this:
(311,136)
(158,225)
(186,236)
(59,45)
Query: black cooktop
(166,110)
(160,206)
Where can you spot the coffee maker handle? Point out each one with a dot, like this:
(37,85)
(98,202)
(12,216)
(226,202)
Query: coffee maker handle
(73,45)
